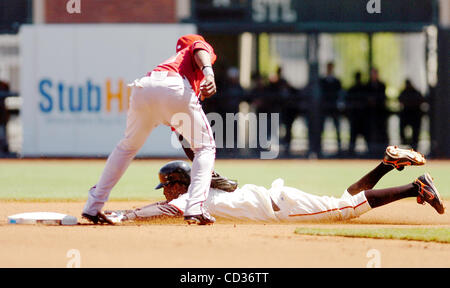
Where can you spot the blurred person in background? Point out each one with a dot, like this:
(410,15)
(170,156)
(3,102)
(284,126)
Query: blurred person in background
(377,114)
(331,89)
(411,113)
(4,118)
(258,93)
(283,101)
(357,110)
(233,90)
(233,94)
(292,108)
(260,99)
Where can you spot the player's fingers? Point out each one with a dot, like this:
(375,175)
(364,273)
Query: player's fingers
(206,94)
(209,92)
(208,85)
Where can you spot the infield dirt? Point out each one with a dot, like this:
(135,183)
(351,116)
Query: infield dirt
(228,243)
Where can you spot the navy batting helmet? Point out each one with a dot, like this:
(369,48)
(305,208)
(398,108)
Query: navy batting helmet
(174,172)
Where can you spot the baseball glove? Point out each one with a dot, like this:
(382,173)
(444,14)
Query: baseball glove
(222,183)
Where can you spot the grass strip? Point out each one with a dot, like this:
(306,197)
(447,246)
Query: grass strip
(439,235)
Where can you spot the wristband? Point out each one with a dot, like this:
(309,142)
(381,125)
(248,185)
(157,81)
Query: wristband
(207,70)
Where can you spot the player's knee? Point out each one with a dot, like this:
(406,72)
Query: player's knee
(129,145)
(205,150)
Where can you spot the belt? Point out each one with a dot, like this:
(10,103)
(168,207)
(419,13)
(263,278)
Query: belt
(169,73)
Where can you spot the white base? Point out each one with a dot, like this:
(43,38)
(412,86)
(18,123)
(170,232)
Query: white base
(47,218)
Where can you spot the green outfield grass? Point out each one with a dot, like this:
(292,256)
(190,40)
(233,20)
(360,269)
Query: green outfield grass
(441,235)
(47,180)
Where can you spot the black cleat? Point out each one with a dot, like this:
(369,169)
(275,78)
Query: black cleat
(429,193)
(201,219)
(100,218)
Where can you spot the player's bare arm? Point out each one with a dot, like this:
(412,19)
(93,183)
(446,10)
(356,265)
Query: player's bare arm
(203,61)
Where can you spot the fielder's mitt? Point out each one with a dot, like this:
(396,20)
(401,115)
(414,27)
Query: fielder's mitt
(222,183)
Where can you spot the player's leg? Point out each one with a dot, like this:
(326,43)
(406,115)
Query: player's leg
(297,205)
(394,157)
(201,174)
(300,206)
(380,197)
(189,120)
(139,125)
(423,188)
(203,145)
(369,180)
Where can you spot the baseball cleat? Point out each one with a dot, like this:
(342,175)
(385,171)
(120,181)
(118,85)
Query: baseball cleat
(201,219)
(100,218)
(429,193)
(399,158)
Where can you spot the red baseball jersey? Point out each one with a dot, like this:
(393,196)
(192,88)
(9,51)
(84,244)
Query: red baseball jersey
(184,63)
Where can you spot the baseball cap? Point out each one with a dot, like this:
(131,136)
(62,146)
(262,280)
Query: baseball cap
(187,40)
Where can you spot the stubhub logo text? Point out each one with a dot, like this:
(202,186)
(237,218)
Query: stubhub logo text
(89,97)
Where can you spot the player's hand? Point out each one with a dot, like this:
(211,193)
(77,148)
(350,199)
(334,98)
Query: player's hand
(207,87)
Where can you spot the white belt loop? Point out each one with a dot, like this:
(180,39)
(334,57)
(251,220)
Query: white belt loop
(136,83)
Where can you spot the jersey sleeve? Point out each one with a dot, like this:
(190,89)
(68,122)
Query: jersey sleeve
(180,202)
(156,210)
(200,45)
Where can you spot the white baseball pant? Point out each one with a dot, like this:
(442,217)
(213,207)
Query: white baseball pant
(167,99)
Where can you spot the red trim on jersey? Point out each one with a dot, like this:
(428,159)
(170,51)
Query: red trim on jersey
(182,213)
(208,128)
(331,210)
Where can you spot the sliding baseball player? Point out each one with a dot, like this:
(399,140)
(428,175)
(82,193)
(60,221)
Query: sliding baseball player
(286,203)
(168,95)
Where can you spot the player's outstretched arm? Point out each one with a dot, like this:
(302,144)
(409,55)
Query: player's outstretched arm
(154,211)
(203,61)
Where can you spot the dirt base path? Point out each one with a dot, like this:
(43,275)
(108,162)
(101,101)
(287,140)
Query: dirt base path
(224,244)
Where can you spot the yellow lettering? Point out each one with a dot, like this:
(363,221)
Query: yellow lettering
(110,95)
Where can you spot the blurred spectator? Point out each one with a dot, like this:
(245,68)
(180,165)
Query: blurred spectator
(330,91)
(233,91)
(292,108)
(411,113)
(257,94)
(234,94)
(279,90)
(260,99)
(377,114)
(284,101)
(357,110)
(4,117)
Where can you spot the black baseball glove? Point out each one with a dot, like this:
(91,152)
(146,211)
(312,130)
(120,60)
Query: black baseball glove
(222,183)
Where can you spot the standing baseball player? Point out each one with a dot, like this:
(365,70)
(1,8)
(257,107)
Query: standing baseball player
(287,203)
(169,95)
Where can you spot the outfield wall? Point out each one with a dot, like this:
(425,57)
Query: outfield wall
(74,85)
